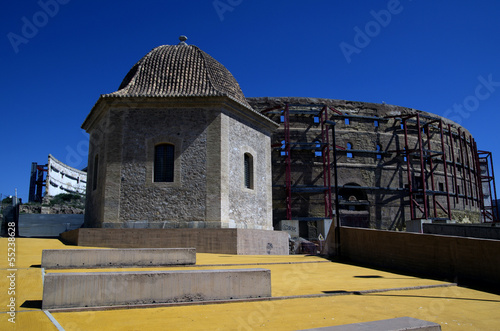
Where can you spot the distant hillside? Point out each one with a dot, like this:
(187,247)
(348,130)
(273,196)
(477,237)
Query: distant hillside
(65,203)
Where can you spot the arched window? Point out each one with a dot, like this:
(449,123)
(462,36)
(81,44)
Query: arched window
(248,164)
(349,147)
(164,163)
(95,170)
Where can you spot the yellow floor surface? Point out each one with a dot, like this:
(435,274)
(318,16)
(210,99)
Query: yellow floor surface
(454,308)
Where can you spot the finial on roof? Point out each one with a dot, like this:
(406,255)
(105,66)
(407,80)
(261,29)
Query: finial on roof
(183,40)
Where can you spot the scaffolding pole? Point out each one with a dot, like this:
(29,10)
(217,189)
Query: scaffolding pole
(422,168)
(424,157)
(455,181)
(288,163)
(445,165)
(489,215)
(325,151)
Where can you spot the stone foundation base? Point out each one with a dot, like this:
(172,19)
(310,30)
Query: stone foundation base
(220,241)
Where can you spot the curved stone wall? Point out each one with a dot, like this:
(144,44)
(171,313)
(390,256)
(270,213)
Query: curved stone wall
(373,178)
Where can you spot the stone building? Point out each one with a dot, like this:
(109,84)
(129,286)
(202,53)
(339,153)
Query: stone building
(178,146)
(383,180)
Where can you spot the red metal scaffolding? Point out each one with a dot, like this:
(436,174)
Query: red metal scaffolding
(464,169)
(321,113)
(467,163)
(484,162)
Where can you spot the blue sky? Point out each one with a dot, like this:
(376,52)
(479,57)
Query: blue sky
(59,55)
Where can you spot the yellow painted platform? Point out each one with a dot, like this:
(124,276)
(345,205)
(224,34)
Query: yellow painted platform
(454,308)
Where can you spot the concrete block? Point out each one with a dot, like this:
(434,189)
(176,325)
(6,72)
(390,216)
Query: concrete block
(94,289)
(291,227)
(415,226)
(393,324)
(113,258)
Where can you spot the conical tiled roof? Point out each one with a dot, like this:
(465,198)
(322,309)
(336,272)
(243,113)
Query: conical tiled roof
(179,71)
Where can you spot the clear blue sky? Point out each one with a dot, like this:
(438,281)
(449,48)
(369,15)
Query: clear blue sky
(58,56)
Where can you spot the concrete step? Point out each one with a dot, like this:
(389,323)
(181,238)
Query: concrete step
(113,258)
(393,324)
(97,289)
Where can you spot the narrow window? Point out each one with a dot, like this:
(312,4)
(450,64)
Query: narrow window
(375,123)
(347,121)
(164,163)
(316,119)
(95,170)
(441,187)
(317,146)
(349,147)
(248,160)
(379,149)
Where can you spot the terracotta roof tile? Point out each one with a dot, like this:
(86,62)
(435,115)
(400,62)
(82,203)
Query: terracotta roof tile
(179,71)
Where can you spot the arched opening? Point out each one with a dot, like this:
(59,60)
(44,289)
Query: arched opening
(354,206)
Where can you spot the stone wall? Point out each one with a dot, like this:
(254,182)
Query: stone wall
(249,208)
(95,183)
(184,199)
(210,137)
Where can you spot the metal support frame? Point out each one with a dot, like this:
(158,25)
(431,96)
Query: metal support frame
(325,152)
(445,165)
(37,182)
(489,179)
(464,180)
(455,179)
(288,163)
(425,157)
(471,164)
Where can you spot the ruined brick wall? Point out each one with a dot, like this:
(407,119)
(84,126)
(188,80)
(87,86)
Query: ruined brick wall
(382,200)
